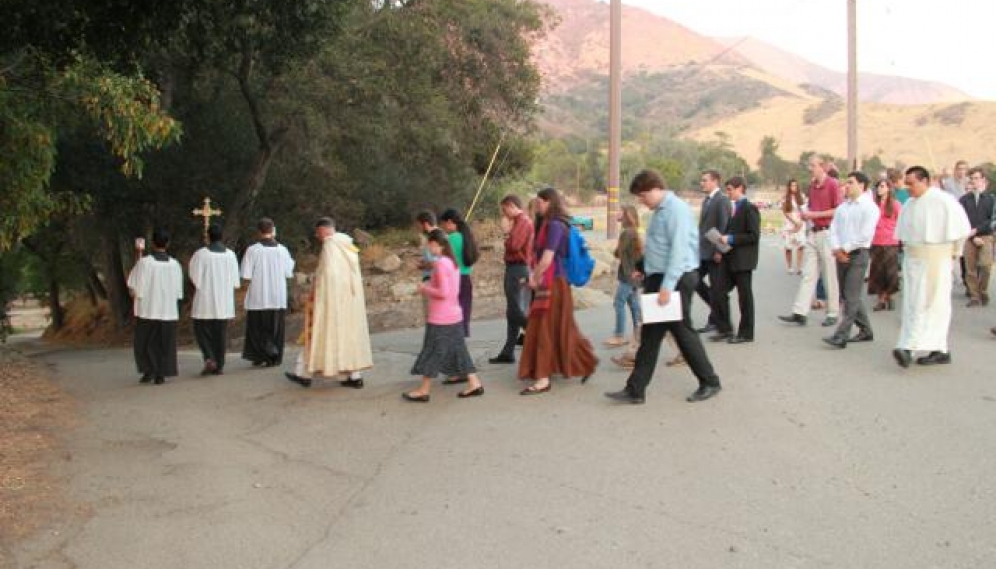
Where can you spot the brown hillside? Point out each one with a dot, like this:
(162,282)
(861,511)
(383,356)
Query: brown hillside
(579,45)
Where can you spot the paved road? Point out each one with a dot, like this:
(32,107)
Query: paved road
(809,458)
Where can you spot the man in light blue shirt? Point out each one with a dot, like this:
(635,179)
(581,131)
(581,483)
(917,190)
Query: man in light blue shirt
(670,263)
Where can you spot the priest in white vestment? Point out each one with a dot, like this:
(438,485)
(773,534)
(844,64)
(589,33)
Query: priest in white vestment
(932,227)
(336,336)
(267,265)
(214,270)
(156,285)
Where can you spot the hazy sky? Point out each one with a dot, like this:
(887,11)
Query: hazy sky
(922,39)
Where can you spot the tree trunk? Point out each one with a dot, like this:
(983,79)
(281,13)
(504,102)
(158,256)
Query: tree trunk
(94,286)
(240,208)
(54,306)
(114,279)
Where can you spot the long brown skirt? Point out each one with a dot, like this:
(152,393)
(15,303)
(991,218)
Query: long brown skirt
(553,344)
(883,277)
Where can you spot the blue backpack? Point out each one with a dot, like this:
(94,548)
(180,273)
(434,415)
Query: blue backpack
(578,264)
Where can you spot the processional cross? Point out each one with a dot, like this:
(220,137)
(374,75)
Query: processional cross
(207,212)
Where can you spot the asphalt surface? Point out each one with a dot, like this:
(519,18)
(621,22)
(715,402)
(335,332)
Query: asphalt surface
(810,457)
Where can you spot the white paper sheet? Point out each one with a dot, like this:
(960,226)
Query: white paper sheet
(653,312)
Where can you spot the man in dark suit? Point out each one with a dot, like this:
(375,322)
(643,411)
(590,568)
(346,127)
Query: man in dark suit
(742,234)
(715,213)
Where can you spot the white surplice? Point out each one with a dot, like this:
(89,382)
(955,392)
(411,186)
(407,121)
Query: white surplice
(215,275)
(267,269)
(933,229)
(156,286)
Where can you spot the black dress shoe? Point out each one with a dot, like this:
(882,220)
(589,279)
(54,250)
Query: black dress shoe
(472,393)
(903,357)
(739,340)
(415,398)
(794,319)
(835,341)
(704,392)
(862,336)
(721,337)
(625,396)
(706,329)
(302,381)
(353,383)
(502,359)
(829,321)
(146,378)
(934,358)
(159,380)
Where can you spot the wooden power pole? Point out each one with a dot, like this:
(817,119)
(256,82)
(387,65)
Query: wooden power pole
(852,85)
(615,117)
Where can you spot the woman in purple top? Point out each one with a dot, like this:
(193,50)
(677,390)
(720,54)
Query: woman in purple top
(553,343)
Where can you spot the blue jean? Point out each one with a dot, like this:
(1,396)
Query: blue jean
(626,294)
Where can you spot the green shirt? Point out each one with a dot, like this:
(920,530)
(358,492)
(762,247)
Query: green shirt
(456,242)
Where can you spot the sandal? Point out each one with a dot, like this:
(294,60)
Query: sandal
(533,390)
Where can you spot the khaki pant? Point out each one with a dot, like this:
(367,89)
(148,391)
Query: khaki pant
(978,265)
(817,260)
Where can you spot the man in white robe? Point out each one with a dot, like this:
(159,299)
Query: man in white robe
(267,265)
(336,336)
(156,285)
(214,270)
(932,227)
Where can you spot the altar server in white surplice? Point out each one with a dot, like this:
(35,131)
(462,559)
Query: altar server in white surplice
(214,270)
(267,265)
(932,227)
(156,285)
(336,336)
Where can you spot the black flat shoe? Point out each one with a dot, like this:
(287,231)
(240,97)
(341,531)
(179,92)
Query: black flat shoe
(934,358)
(353,383)
(703,393)
(455,380)
(835,342)
(862,336)
(625,396)
(903,357)
(794,319)
(532,390)
(473,393)
(501,359)
(415,398)
(302,381)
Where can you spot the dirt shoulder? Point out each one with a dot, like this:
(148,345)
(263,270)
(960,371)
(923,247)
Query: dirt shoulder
(34,415)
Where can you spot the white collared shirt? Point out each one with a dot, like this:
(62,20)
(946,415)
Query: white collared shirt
(853,225)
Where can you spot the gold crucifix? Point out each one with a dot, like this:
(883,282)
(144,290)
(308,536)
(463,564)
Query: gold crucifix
(207,213)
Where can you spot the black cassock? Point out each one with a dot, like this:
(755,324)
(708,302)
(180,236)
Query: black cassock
(212,339)
(155,347)
(264,337)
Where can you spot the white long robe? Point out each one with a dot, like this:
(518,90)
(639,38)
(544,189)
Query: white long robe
(933,229)
(337,337)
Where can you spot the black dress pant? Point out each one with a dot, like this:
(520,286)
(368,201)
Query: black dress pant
(689,343)
(714,293)
(516,304)
(745,296)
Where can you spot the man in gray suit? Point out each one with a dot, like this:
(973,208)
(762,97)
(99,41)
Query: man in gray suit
(715,213)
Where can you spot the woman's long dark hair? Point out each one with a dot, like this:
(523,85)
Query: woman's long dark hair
(890,198)
(470,251)
(438,236)
(787,201)
(556,209)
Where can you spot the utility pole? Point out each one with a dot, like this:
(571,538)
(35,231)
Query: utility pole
(615,117)
(852,84)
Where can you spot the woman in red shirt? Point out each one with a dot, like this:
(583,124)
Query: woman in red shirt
(883,276)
